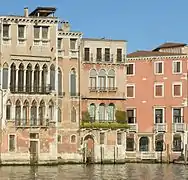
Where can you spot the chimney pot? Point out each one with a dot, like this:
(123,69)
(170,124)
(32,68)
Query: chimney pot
(26,13)
(66,26)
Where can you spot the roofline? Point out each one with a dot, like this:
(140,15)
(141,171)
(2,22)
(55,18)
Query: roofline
(178,45)
(101,39)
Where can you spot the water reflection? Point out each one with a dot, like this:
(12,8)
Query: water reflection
(96,172)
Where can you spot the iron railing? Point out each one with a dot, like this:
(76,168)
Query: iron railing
(33,122)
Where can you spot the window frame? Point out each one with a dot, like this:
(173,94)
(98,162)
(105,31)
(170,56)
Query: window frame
(76,44)
(71,139)
(173,66)
(130,85)
(163,112)
(181,89)
(9,31)
(127,64)
(181,115)
(159,84)
(134,114)
(59,142)
(15,143)
(155,66)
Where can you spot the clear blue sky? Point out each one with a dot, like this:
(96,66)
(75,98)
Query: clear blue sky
(143,23)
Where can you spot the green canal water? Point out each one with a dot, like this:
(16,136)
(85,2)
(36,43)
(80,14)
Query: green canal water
(96,172)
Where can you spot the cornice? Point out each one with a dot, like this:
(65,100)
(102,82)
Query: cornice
(69,34)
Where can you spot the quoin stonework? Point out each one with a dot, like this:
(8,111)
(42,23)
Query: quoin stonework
(65,98)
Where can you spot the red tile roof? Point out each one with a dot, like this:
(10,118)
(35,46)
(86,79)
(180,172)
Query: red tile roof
(169,45)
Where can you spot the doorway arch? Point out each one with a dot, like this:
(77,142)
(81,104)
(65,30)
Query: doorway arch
(144,144)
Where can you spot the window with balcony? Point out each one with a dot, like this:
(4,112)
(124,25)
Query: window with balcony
(119,55)
(86,54)
(12,143)
(102,136)
(130,69)
(99,54)
(93,79)
(158,90)
(119,138)
(102,112)
(159,115)
(107,54)
(52,77)
(73,82)
(130,91)
(177,115)
(131,116)
(130,142)
(73,114)
(92,112)
(5,76)
(73,44)
(13,77)
(111,80)
(158,67)
(21,78)
(111,112)
(177,143)
(102,79)
(159,142)
(8,110)
(177,89)
(41,35)
(177,67)
(6,31)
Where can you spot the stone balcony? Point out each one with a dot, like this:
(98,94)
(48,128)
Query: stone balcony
(133,127)
(160,127)
(73,54)
(179,127)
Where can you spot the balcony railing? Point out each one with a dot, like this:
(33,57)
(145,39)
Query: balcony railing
(179,127)
(74,53)
(178,119)
(160,127)
(103,89)
(133,127)
(74,94)
(31,89)
(32,122)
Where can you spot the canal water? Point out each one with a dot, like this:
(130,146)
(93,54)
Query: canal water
(96,172)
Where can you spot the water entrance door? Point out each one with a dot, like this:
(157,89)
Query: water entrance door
(33,152)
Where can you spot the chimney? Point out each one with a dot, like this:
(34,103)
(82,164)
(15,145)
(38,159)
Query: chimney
(26,13)
(66,26)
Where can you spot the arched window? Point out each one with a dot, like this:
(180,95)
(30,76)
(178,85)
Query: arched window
(111,79)
(73,139)
(21,78)
(42,113)
(8,110)
(60,82)
(93,79)
(177,143)
(12,77)
(102,112)
(33,121)
(92,112)
(44,78)
(159,142)
(52,77)
(5,76)
(73,82)
(51,110)
(59,115)
(73,115)
(18,112)
(144,144)
(29,78)
(25,112)
(36,78)
(111,112)
(102,79)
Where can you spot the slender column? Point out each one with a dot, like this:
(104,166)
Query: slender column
(16,79)
(24,83)
(32,80)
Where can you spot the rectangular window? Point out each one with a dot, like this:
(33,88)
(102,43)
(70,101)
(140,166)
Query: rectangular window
(12,144)
(45,32)
(159,90)
(178,115)
(21,31)
(119,55)
(177,90)
(99,54)
(119,138)
(131,116)
(130,143)
(59,139)
(130,91)
(73,44)
(59,43)
(159,116)
(102,138)
(107,54)
(177,67)
(158,67)
(86,54)
(130,69)
(36,32)
(6,28)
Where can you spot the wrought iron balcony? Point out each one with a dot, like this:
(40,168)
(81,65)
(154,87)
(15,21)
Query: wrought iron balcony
(31,89)
(103,89)
(26,123)
(160,127)
(179,127)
